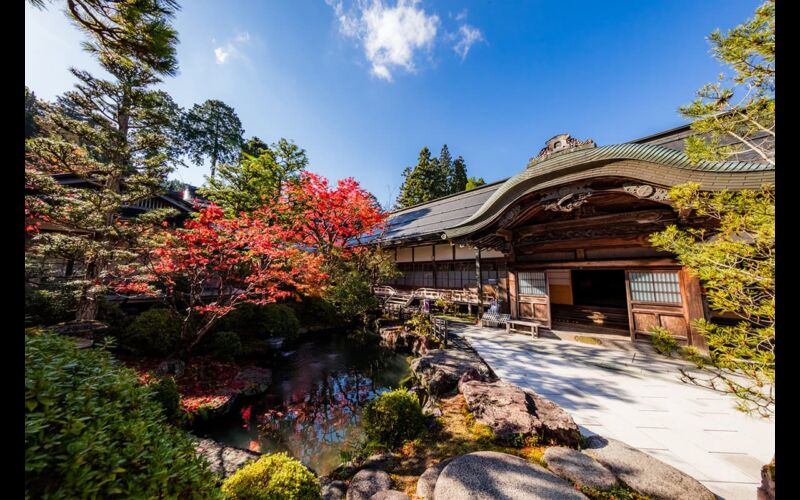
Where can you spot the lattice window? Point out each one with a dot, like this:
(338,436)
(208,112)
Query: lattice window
(532,283)
(661,287)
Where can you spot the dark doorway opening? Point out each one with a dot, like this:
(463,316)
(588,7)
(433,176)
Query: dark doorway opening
(604,288)
(599,302)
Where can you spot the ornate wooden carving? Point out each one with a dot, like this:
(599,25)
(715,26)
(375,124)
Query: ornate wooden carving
(568,203)
(508,218)
(647,192)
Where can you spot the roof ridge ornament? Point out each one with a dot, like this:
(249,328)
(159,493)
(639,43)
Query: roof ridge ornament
(560,144)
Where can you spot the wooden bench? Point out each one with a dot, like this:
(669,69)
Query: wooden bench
(494,319)
(511,326)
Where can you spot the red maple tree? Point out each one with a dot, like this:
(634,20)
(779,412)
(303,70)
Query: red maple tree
(214,264)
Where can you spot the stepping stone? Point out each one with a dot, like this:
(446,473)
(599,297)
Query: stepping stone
(645,474)
(489,475)
(366,483)
(579,468)
(427,481)
(389,495)
(334,490)
(224,460)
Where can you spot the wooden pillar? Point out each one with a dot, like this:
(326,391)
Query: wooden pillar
(693,308)
(478,278)
(512,292)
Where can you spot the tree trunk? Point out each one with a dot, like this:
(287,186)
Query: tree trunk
(87,303)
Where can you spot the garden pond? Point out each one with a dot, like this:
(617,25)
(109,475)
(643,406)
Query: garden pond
(312,410)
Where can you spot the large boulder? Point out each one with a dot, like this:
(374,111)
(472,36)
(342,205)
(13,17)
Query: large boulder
(579,468)
(489,475)
(366,483)
(767,489)
(427,481)
(224,460)
(511,411)
(389,495)
(644,473)
(332,490)
(440,370)
(399,339)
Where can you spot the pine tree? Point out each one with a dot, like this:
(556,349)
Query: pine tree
(458,181)
(116,134)
(735,258)
(445,167)
(256,180)
(33,112)
(420,182)
(212,130)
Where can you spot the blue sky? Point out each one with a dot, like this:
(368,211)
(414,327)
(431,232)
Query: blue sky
(363,85)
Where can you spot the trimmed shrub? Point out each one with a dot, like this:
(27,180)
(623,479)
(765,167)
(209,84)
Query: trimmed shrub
(93,431)
(48,307)
(663,340)
(272,477)
(250,320)
(165,393)
(156,331)
(225,346)
(112,314)
(280,321)
(314,310)
(393,417)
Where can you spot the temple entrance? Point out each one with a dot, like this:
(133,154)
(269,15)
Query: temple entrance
(597,301)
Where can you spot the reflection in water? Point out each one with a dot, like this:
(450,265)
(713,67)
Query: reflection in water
(313,408)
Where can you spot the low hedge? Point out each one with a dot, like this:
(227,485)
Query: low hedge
(393,417)
(93,431)
(272,477)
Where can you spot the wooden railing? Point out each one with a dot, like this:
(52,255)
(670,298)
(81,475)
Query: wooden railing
(440,329)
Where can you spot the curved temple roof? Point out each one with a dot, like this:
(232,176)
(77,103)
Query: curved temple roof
(646,162)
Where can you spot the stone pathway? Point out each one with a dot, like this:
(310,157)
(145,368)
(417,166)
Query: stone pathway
(638,401)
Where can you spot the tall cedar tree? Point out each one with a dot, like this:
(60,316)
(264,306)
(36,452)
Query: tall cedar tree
(735,259)
(212,130)
(253,147)
(432,178)
(256,180)
(458,181)
(116,134)
(445,163)
(33,112)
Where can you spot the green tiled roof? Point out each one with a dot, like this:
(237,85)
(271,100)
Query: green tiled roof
(659,165)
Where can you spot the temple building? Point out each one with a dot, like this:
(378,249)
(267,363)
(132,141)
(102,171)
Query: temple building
(565,242)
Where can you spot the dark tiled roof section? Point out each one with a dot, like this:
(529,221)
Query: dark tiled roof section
(433,217)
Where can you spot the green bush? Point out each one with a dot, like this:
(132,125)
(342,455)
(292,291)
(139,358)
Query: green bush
(225,346)
(254,321)
(93,431)
(272,477)
(112,314)
(280,321)
(165,392)
(48,307)
(393,417)
(314,310)
(156,332)
(691,353)
(663,340)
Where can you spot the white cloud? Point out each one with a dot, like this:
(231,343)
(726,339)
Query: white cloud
(390,35)
(467,37)
(221,55)
(231,49)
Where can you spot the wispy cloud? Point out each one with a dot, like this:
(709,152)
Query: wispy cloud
(390,35)
(232,49)
(467,36)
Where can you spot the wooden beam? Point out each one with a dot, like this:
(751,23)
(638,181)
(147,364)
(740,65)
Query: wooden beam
(641,240)
(640,217)
(661,262)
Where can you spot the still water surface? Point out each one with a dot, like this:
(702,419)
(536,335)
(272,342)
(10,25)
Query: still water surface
(312,410)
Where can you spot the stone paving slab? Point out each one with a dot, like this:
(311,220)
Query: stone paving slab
(695,430)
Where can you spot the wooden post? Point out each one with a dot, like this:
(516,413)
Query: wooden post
(478,278)
(693,308)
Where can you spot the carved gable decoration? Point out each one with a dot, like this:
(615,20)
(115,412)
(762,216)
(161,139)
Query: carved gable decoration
(561,143)
(566,198)
(647,192)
